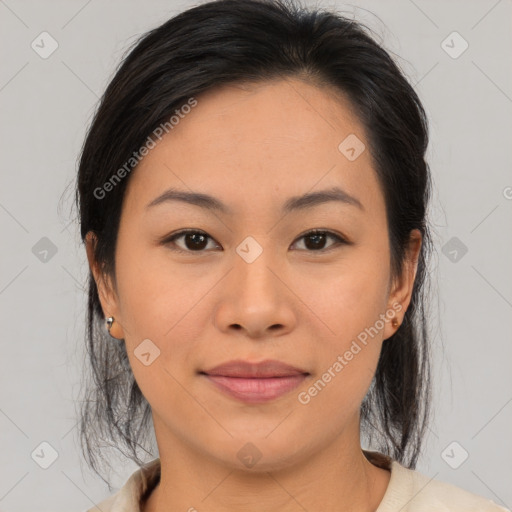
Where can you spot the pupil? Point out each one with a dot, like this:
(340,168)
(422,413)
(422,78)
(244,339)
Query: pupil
(318,239)
(197,238)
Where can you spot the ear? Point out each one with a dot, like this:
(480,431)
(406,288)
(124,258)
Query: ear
(106,292)
(401,292)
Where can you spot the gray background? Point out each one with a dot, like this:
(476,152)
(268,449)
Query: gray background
(46,105)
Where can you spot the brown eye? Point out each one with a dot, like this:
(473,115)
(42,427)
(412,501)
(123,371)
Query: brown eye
(193,241)
(315,240)
(197,241)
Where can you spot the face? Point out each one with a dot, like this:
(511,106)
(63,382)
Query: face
(251,281)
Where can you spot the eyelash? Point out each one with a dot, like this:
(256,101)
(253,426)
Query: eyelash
(339,240)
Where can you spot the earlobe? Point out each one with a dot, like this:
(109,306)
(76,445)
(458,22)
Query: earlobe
(114,328)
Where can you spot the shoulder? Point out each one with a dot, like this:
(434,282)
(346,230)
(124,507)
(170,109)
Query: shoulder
(135,490)
(412,491)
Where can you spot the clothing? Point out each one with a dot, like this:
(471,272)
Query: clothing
(408,491)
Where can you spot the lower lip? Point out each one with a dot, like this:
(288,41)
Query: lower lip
(256,390)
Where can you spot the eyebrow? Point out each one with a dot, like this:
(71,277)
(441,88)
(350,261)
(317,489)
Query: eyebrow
(296,203)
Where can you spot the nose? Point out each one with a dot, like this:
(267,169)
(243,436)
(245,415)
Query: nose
(256,299)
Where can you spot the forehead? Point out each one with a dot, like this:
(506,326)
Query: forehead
(281,113)
(254,142)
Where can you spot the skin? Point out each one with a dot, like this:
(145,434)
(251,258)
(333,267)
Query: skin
(253,147)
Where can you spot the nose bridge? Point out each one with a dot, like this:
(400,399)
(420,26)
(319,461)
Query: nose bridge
(253,262)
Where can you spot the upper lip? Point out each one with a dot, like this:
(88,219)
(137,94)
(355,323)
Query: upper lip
(264,369)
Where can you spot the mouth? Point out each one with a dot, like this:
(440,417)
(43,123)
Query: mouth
(255,382)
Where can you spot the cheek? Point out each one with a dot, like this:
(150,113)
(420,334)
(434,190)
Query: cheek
(353,306)
(164,304)
(347,359)
(350,295)
(153,292)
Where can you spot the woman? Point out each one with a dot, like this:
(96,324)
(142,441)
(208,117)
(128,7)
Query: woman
(253,196)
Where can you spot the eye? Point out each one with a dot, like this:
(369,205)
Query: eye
(315,240)
(194,240)
(197,241)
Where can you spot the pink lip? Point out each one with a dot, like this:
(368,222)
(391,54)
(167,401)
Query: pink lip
(256,390)
(263,369)
(255,382)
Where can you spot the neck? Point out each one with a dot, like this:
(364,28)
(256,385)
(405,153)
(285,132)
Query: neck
(333,478)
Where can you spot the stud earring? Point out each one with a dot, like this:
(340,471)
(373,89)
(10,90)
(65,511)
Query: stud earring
(110,321)
(395,322)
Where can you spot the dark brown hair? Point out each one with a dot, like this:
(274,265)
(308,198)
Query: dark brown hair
(234,41)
